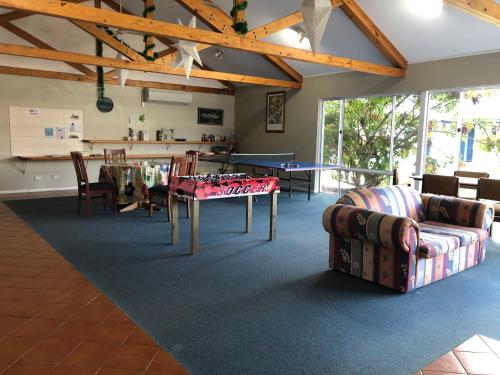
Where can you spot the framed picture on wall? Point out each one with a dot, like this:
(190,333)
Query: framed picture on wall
(275,112)
(210,116)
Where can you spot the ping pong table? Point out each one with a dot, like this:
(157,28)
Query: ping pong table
(273,164)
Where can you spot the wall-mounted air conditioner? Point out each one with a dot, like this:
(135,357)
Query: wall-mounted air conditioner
(165,96)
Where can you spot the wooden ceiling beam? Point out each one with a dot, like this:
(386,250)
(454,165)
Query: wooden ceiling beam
(41,44)
(130,82)
(372,32)
(218,20)
(104,17)
(168,42)
(488,10)
(39,53)
(260,32)
(264,31)
(12,16)
(107,39)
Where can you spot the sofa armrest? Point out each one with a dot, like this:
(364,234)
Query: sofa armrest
(456,211)
(353,223)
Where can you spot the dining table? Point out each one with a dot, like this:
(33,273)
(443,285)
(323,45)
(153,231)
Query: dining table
(132,181)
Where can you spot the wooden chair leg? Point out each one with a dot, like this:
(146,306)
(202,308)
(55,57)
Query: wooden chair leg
(114,202)
(151,207)
(79,207)
(87,206)
(188,208)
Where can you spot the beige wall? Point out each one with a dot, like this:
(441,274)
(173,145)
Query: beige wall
(303,105)
(37,92)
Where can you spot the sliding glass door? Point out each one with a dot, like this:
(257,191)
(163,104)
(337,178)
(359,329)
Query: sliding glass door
(368,137)
(371,136)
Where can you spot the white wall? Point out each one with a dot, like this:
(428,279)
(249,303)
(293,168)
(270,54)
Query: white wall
(302,107)
(48,93)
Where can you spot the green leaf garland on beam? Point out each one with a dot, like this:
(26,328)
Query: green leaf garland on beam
(240,28)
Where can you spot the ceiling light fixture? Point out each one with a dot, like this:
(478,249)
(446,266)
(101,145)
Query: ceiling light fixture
(425,8)
(301,32)
(219,54)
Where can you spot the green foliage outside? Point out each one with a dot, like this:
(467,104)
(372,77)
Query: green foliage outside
(367,132)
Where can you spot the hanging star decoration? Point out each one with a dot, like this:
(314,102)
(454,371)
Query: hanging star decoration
(316,14)
(187,52)
(123,73)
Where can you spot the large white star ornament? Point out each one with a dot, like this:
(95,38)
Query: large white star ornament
(316,14)
(187,52)
(123,73)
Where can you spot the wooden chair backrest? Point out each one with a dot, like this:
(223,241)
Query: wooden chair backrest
(115,156)
(470,174)
(182,166)
(442,185)
(488,188)
(80,169)
(194,155)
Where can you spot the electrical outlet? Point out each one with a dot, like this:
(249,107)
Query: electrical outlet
(55,177)
(38,178)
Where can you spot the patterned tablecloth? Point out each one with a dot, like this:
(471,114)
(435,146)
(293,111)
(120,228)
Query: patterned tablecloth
(132,180)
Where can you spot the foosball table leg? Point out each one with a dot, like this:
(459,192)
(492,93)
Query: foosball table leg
(249,214)
(174,218)
(195,225)
(273,216)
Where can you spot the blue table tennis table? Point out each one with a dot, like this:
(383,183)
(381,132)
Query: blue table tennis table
(273,164)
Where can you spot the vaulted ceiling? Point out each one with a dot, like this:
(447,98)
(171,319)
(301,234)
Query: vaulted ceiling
(451,34)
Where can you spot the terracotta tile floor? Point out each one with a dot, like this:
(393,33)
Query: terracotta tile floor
(53,321)
(478,355)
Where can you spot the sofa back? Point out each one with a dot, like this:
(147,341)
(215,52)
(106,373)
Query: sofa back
(396,200)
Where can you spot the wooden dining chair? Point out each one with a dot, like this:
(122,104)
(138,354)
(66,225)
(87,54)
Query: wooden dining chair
(91,190)
(115,156)
(193,154)
(179,166)
(489,189)
(439,184)
(471,179)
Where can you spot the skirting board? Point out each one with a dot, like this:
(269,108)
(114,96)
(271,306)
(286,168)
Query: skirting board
(36,190)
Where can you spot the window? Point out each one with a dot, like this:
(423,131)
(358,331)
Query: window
(368,137)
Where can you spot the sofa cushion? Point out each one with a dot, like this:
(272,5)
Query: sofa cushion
(432,245)
(466,235)
(396,200)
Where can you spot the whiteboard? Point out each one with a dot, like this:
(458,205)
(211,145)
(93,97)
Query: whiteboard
(45,131)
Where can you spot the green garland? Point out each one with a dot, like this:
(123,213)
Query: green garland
(240,28)
(100,72)
(147,10)
(238,8)
(148,46)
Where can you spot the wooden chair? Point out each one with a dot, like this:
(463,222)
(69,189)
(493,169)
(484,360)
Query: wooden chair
(180,166)
(489,189)
(468,175)
(93,190)
(442,185)
(193,154)
(115,156)
(399,179)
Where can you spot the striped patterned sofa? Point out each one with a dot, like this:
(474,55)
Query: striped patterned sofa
(404,240)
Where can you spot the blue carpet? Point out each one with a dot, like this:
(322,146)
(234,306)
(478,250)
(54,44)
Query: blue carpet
(244,305)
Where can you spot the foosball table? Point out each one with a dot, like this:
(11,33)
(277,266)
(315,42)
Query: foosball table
(207,187)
